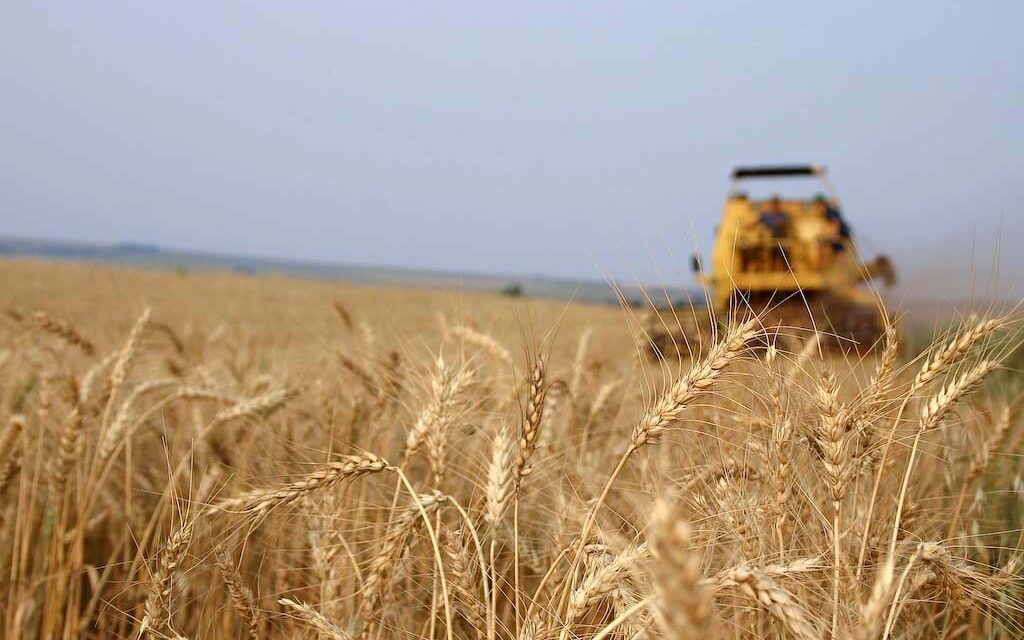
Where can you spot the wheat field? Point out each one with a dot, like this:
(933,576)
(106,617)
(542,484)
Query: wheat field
(226,456)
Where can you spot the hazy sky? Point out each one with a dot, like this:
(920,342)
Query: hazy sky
(572,139)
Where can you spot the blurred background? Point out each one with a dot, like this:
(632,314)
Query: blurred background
(581,141)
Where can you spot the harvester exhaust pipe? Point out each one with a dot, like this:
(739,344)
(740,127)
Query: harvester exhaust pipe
(880,268)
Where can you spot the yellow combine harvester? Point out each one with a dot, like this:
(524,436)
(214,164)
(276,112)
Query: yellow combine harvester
(791,260)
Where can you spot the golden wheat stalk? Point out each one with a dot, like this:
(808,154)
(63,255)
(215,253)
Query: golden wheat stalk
(500,485)
(12,434)
(882,379)
(396,541)
(262,406)
(315,620)
(780,478)
(447,384)
(531,421)
(981,461)
(443,414)
(486,343)
(157,609)
(204,394)
(833,439)
(942,402)
(460,566)
(683,604)
(797,366)
(931,416)
(955,350)
(774,599)
(64,331)
(947,356)
(11,451)
(668,410)
(344,315)
(92,374)
(123,361)
(242,600)
(962,584)
(68,444)
(579,363)
(121,425)
(361,374)
(872,613)
(260,502)
(832,436)
(600,584)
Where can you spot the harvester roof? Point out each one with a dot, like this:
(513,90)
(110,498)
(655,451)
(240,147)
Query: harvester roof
(777,171)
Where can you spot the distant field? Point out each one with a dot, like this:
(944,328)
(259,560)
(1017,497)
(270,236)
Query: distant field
(287,312)
(593,290)
(215,455)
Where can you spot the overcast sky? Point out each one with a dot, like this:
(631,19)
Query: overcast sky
(572,139)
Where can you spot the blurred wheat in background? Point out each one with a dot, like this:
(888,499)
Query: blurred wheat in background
(212,456)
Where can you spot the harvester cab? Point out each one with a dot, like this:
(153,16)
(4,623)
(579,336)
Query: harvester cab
(790,259)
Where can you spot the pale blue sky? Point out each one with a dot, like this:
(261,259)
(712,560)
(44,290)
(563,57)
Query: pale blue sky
(572,139)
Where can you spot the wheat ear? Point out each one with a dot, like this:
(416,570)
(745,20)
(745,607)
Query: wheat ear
(464,583)
(64,331)
(777,601)
(499,477)
(120,427)
(396,541)
(931,415)
(981,461)
(600,584)
(955,350)
(940,404)
(443,413)
(123,361)
(10,435)
(158,601)
(242,600)
(11,451)
(532,420)
(834,442)
(446,385)
(486,343)
(668,410)
(344,315)
(683,604)
(262,501)
(67,448)
(262,405)
(872,613)
(315,620)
